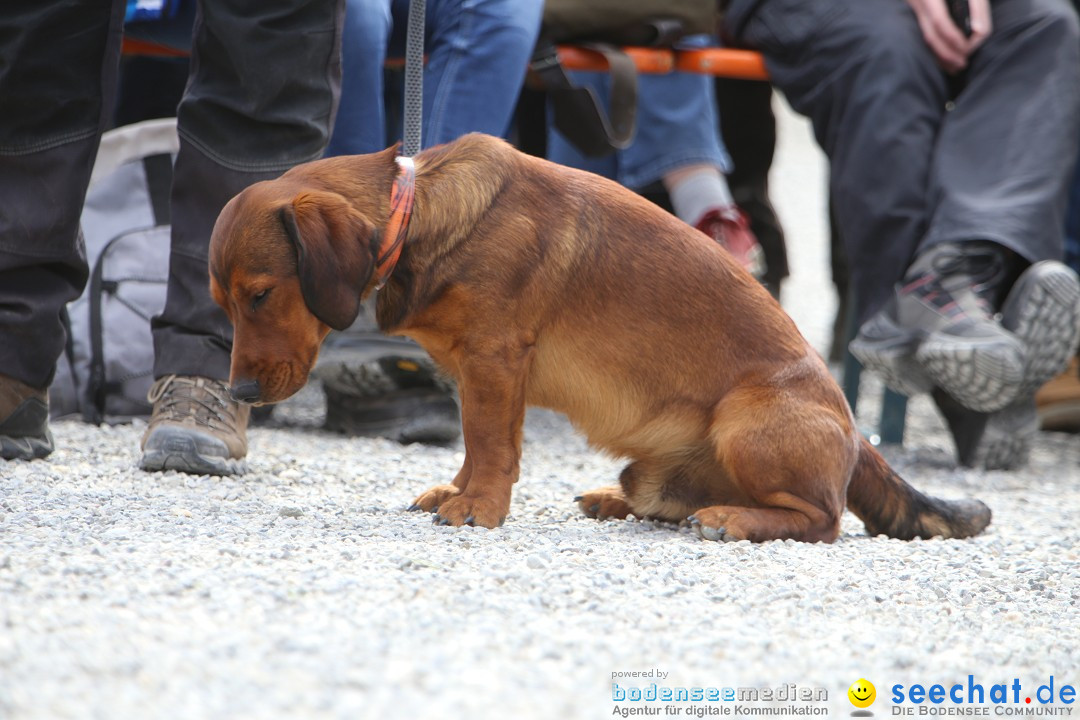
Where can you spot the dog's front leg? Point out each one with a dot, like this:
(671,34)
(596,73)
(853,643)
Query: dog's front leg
(492,387)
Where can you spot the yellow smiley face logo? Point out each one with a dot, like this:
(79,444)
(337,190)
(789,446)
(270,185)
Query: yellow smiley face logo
(862,693)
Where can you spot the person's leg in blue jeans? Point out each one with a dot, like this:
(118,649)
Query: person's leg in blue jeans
(478,54)
(361,119)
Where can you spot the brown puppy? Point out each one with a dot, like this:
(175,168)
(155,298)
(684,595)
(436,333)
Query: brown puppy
(532,283)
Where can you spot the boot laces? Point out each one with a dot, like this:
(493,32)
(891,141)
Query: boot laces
(982,266)
(199,400)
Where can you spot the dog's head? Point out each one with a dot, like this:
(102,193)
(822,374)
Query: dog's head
(288,263)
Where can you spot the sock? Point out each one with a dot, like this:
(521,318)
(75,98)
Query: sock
(698,194)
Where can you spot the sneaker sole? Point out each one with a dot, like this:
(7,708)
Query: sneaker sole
(174,449)
(891,356)
(26,448)
(895,366)
(984,377)
(1043,311)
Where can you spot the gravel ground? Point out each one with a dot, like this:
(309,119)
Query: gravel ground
(304,589)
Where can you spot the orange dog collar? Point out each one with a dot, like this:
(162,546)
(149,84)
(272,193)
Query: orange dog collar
(401,204)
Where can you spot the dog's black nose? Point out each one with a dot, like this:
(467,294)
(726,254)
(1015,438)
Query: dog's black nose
(245,391)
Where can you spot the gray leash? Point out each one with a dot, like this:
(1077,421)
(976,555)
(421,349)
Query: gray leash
(414,80)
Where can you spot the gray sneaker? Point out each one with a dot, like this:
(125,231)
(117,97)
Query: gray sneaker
(940,331)
(888,350)
(196,427)
(24,421)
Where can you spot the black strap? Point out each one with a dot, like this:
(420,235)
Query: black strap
(578,114)
(69,349)
(94,411)
(159,175)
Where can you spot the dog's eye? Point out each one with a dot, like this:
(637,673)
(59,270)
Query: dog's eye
(257,298)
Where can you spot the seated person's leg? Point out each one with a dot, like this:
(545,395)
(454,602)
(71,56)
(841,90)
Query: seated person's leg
(748,131)
(1058,401)
(360,124)
(866,77)
(478,54)
(677,142)
(1002,174)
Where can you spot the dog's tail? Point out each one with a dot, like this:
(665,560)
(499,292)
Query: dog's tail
(888,505)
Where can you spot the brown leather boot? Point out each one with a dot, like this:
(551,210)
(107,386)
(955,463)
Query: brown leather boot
(24,421)
(196,427)
(1058,401)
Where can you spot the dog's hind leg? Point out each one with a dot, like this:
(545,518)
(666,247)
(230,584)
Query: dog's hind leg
(790,460)
(604,502)
(661,488)
(639,482)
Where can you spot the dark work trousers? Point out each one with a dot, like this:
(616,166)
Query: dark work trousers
(261,98)
(918,158)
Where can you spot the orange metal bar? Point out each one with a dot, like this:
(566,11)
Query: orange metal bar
(724,62)
(647,60)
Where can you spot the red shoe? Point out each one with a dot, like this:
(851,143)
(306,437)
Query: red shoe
(728,226)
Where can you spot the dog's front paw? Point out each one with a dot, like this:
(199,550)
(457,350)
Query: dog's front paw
(605,502)
(466,510)
(430,500)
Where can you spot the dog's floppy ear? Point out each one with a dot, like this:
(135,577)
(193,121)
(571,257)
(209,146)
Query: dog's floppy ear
(333,254)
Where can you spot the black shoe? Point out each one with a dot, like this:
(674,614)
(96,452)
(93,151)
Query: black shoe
(24,421)
(385,387)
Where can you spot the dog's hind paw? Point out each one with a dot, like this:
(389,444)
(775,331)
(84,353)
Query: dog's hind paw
(605,502)
(707,532)
(430,500)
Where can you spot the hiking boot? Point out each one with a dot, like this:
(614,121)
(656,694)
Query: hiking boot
(195,427)
(24,421)
(1058,401)
(728,226)
(379,386)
